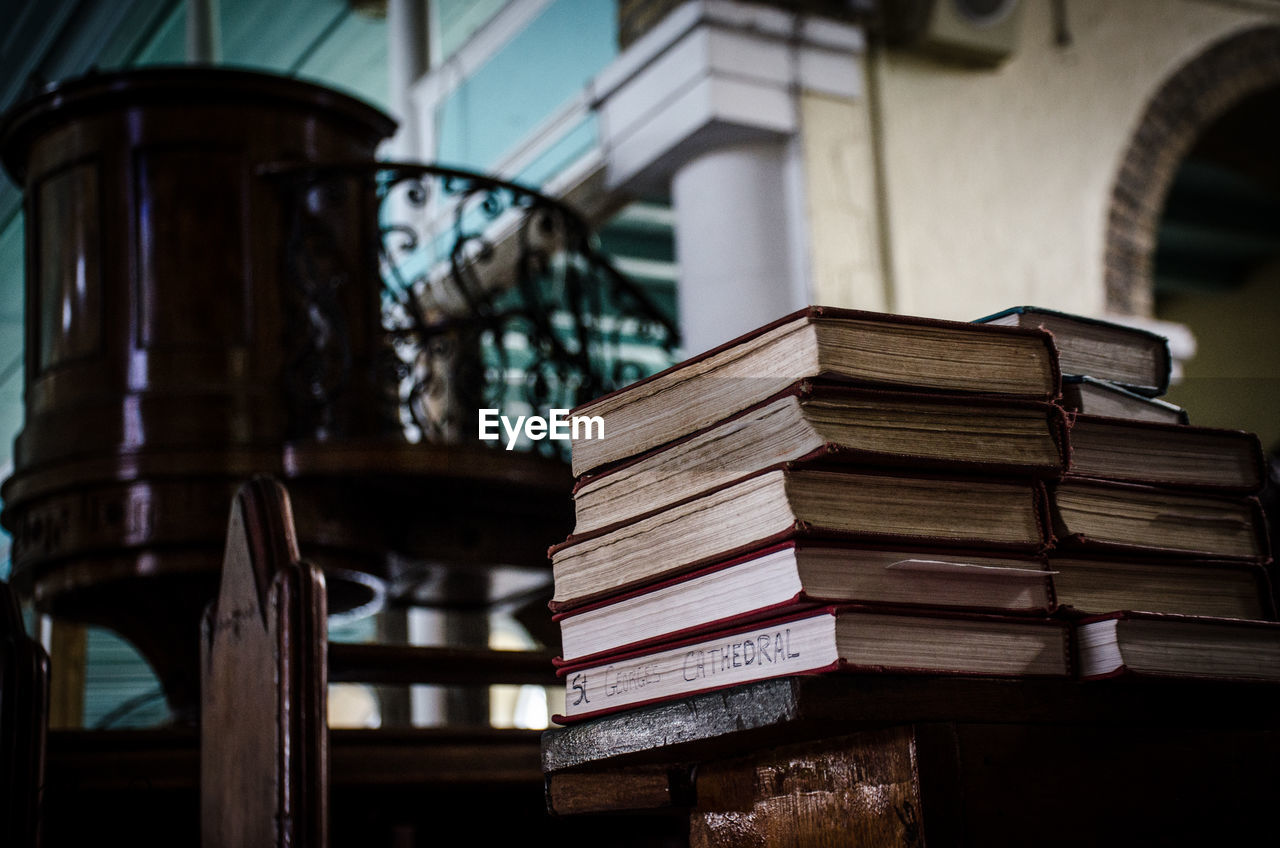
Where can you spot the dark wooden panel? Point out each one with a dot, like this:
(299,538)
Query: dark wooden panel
(193,268)
(24,717)
(1081,784)
(69,262)
(642,788)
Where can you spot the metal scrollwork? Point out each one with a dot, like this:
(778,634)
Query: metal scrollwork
(494,296)
(318,353)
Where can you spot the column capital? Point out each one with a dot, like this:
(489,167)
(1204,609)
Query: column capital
(714,73)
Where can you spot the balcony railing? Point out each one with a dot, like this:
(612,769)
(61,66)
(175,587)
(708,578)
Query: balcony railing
(494,296)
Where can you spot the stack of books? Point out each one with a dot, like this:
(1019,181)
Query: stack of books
(845,490)
(1160,546)
(837,489)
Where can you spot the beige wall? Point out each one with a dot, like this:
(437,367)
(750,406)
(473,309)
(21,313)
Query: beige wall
(841,203)
(998,181)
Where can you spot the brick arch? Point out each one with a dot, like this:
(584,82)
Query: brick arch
(1186,104)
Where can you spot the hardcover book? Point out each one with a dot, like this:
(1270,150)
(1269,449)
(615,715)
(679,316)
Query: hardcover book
(1220,589)
(834,639)
(1132,643)
(1104,515)
(868,348)
(815,573)
(832,423)
(1098,397)
(1176,455)
(782,503)
(1134,358)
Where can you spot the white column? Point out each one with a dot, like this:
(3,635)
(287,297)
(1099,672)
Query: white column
(407,60)
(707,104)
(733,242)
(204,32)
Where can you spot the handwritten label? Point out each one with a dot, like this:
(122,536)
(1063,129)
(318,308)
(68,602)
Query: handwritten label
(762,649)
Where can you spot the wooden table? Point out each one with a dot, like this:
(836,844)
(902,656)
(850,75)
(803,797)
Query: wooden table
(889,760)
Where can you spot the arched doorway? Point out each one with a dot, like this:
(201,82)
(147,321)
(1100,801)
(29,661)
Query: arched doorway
(1194,228)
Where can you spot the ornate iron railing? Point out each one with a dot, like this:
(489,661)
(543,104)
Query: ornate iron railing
(493,296)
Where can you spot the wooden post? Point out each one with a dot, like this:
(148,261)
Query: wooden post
(263,733)
(68,651)
(24,711)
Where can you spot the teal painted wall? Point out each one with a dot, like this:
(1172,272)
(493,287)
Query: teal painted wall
(532,76)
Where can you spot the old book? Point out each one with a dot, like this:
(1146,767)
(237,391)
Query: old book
(1166,454)
(865,347)
(1132,643)
(828,640)
(791,574)
(778,503)
(1098,397)
(832,423)
(1104,515)
(1222,589)
(1134,358)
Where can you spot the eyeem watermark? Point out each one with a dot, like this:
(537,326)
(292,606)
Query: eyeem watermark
(561,425)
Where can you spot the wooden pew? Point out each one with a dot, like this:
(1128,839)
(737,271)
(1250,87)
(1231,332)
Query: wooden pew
(263,739)
(264,747)
(24,718)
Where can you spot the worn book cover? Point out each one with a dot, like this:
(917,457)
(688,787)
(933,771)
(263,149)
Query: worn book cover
(784,503)
(823,423)
(1160,454)
(1129,643)
(867,348)
(1104,515)
(1130,356)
